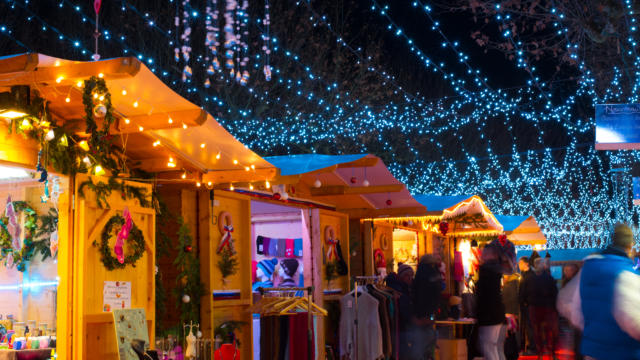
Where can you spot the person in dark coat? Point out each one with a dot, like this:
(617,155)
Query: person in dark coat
(526,328)
(491,311)
(541,292)
(510,298)
(425,296)
(401,282)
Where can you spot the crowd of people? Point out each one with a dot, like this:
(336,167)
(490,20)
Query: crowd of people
(521,309)
(598,305)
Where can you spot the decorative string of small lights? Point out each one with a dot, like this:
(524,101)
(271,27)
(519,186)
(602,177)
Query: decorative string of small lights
(266,40)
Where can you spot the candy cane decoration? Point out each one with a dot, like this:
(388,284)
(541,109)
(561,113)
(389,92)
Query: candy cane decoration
(225,225)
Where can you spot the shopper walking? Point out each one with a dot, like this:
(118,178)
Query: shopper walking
(491,312)
(573,333)
(541,292)
(511,284)
(610,299)
(426,287)
(526,329)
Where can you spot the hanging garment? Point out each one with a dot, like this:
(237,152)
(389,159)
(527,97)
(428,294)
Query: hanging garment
(458,266)
(297,247)
(299,345)
(369,332)
(260,245)
(343,269)
(383,313)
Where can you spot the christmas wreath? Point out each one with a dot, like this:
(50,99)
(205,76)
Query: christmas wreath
(135,241)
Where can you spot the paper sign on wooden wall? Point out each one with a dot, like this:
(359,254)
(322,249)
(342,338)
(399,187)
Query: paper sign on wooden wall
(130,324)
(116,295)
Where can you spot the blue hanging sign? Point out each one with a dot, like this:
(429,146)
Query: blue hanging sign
(617,126)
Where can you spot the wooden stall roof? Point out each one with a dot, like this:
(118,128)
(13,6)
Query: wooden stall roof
(147,110)
(358,185)
(522,230)
(447,207)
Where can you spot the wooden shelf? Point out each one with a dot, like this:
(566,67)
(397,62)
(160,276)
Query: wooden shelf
(332,297)
(101,318)
(234,302)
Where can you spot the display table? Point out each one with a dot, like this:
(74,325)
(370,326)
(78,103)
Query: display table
(37,354)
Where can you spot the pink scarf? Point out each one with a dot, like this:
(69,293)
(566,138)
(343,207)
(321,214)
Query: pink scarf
(123,235)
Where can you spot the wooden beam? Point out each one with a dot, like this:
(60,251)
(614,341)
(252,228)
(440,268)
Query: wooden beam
(364,162)
(156,121)
(160,164)
(24,62)
(118,68)
(391,212)
(349,190)
(287,179)
(239,176)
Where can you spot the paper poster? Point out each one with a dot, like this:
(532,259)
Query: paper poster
(116,295)
(130,326)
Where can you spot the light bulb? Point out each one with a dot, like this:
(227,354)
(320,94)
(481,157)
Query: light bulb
(218,156)
(86,160)
(101,97)
(84,145)
(235,162)
(124,92)
(267,184)
(101,75)
(209,183)
(253,167)
(184,126)
(156,143)
(68,99)
(231,187)
(198,184)
(98,170)
(184,175)
(202,145)
(250,187)
(170,121)
(59,79)
(135,104)
(140,128)
(246,168)
(95,95)
(126,121)
(79,83)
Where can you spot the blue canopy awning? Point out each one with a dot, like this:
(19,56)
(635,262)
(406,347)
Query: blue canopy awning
(562,254)
(304,163)
(439,202)
(509,222)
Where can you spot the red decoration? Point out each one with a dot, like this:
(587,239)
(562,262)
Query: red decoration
(354,180)
(96,5)
(293,189)
(502,239)
(444,228)
(188,248)
(389,202)
(404,223)
(276,196)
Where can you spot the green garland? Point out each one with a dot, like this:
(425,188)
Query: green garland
(30,246)
(228,264)
(100,141)
(188,279)
(135,240)
(104,190)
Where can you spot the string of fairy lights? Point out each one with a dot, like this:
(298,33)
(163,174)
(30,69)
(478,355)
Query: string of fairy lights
(568,188)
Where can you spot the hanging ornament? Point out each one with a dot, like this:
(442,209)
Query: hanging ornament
(353,180)
(188,248)
(285,196)
(245,78)
(123,235)
(444,228)
(100,110)
(230,36)
(266,38)
(64,141)
(210,70)
(186,299)
(185,37)
(317,183)
(45,197)
(50,135)
(276,196)
(365,183)
(389,202)
(207,83)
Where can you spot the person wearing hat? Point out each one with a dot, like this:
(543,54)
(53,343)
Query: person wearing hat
(264,273)
(401,282)
(610,301)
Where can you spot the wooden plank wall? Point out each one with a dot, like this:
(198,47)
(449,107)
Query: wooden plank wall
(94,331)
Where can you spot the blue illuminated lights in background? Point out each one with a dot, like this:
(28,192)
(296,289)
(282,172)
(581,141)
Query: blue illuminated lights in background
(568,188)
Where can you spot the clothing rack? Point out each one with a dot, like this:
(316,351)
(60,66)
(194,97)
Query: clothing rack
(360,280)
(309,290)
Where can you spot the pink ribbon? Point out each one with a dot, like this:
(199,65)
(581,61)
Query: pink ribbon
(96,6)
(123,235)
(226,238)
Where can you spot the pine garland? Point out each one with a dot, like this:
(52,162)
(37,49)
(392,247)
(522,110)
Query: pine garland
(103,191)
(228,264)
(188,280)
(100,141)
